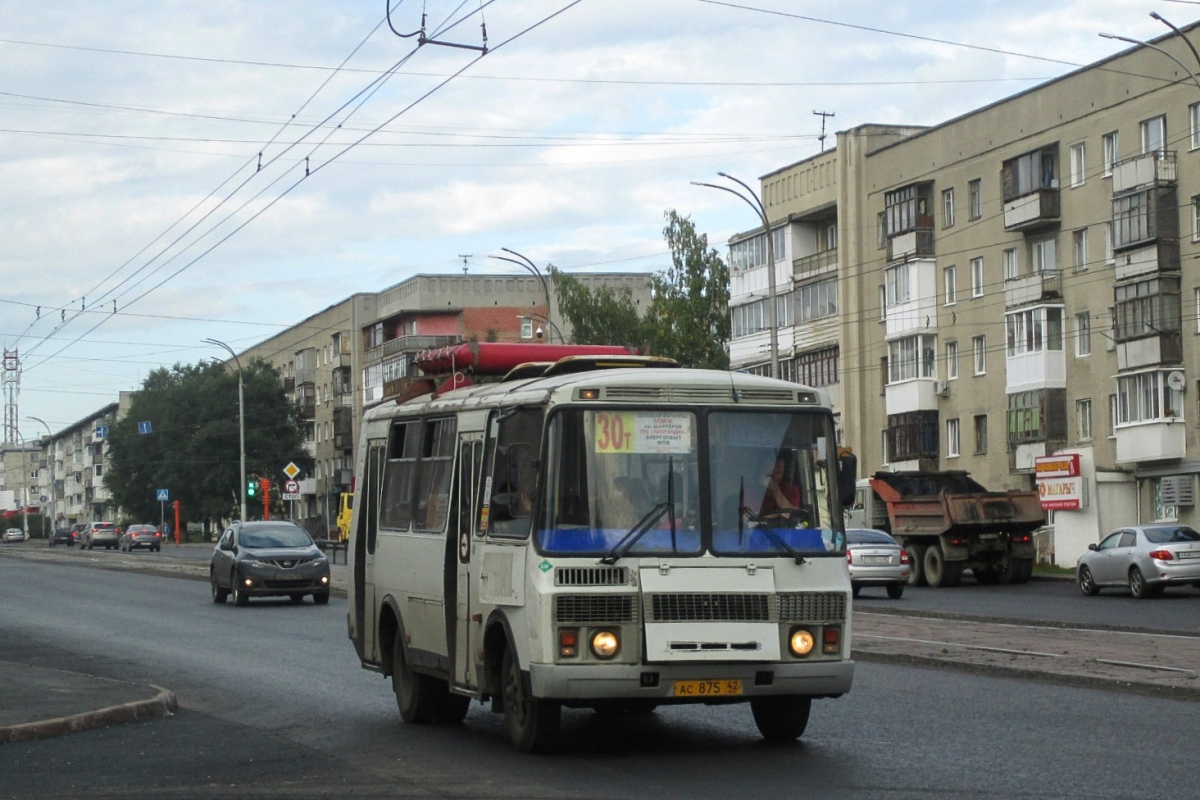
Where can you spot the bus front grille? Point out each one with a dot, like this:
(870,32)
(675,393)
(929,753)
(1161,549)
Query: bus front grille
(812,607)
(698,607)
(585,609)
(591,576)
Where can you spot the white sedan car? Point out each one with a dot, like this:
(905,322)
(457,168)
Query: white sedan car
(14,535)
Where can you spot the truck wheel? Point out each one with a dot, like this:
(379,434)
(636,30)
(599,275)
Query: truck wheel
(952,573)
(781,719)
(935,566)
(916,561)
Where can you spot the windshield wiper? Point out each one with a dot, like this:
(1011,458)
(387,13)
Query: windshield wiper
(636,532)
(772,534)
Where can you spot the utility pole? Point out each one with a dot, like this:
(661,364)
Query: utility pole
(823,115)
(464,258)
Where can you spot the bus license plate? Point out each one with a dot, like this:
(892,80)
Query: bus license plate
(719,688)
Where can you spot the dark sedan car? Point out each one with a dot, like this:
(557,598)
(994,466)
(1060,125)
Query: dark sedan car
(268,559)
(62,536)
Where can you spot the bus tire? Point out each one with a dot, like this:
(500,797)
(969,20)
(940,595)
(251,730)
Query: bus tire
(781,718)
(415,693)
(532,722)
(453,708)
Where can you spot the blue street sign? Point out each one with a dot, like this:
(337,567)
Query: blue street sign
(162,495)
(101,432)
(143,427)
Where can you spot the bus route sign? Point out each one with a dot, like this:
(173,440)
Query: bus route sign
(643,432)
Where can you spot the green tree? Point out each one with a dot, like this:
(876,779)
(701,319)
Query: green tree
(193,449)
(689,314)
(601,316)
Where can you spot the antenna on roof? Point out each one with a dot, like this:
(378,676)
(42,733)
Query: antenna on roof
(823,115)
(464,258)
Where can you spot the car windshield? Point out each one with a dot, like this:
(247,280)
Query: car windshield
(1172,534)
(859,536)
(283,536)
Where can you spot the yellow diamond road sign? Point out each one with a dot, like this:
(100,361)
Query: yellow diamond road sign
(291,470)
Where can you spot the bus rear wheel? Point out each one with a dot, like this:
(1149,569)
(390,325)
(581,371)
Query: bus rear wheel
(416,694)
(781,719)
(532,722)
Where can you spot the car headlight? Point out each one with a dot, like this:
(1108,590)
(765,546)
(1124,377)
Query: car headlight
(257,564)
(605,644)
(801,641)
(320,561)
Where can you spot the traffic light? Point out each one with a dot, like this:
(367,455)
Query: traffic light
(251,487)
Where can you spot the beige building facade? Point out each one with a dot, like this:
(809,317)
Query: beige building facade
(1016,283)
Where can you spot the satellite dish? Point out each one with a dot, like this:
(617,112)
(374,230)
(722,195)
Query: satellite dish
(1175,381)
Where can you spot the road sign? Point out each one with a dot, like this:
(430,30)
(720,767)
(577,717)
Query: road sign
(163,496)
(101,432)
(43,499)
(291,470)
(144,427)
(291,487)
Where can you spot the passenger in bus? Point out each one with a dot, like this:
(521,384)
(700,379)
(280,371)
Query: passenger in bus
(629,503)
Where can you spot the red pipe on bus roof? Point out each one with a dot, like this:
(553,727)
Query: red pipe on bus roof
(497,358)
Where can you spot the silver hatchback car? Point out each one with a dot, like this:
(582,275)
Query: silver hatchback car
(1144,558)
(876,559)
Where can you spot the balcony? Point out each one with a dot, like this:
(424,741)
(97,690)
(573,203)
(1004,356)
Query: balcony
(918,394)
(408,344)
(1033,288)
(307,409)
(1151,441)
(1158,349)
(815,264)
(916,243)
(1038,209)
(1161,256)
(1157,168)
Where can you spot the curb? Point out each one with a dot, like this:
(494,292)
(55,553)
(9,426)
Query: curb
(161,705)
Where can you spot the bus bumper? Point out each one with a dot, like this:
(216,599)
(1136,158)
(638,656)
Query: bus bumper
(657,681)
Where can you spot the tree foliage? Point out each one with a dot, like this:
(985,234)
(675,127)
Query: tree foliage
(688,317)
(193,447)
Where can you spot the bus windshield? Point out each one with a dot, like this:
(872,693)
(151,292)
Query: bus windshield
(628,482)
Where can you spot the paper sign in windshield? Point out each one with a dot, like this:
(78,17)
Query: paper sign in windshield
(643,432)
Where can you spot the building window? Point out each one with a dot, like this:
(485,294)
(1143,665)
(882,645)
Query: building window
(526,327)
(980,434)
(884,448)
(1154,135)
(948,208)
(976,277)
(1112,416)
(882,303)
(1078,164)
(896,280)
(1083,333)
(952,359)
(974,200)
(1042,256)
(1145,397)
(912,357)
(1133,217)
(1194,121)
(818,300)
(1197,310)
(1109,258)
(1009,258)
(1079,241)
(1028,173)
(1111,154)
(950,281)
(979,351)
(1196,219)
(1083,419)
(952,443)
(1111,338)
(881,230)
(1162,511)
(907,209)
(818,368)
(1034,330)
(1148,307)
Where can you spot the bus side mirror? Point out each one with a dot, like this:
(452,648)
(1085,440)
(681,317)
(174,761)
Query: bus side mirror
(847,476)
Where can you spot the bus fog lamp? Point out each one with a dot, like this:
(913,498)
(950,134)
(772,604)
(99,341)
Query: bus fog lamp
(801,642)
(568,643)
(605,644)
(831,641)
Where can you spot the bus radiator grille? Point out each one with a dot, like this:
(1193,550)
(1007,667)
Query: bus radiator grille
(812,607)
(591,576)
(695,607)
(583,609)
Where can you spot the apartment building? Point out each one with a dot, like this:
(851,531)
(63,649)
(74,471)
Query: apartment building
(1015,283)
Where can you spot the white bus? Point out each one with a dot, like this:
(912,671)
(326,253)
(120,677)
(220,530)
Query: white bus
(611,538)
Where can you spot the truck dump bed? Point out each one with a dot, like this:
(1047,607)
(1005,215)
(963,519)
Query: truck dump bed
(933,503)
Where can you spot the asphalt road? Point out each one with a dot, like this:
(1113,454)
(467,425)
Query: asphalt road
(274,704)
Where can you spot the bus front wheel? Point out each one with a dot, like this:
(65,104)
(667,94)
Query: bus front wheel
(781,719)
(532,722)
(415,693)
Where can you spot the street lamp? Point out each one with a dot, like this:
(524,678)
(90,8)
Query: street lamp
(50,450)
(757,205)
(1183,66)
(529,266)
(241,424)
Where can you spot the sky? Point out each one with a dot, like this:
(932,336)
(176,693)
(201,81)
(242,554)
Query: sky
(175,171)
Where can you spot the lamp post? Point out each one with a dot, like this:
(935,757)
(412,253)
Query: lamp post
(24,499)
(1183,66)
(528,265)
(50,450)
(241,425)
(757,205)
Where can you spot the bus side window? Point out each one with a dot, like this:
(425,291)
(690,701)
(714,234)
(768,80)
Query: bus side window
(515,472)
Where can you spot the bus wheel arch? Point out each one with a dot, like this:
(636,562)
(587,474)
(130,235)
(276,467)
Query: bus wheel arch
(388,631)
(497,639)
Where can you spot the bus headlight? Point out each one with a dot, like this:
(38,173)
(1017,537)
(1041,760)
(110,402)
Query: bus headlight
(605,644)
(801,641)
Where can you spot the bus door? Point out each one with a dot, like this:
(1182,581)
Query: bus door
(364,540)
(461,632)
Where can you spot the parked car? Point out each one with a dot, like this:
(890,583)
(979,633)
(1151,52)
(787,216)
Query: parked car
(139,536)
(103,534)
(876,559)
(77,532)
(62,536)
(14,535)
(1144,558)
(268,559)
